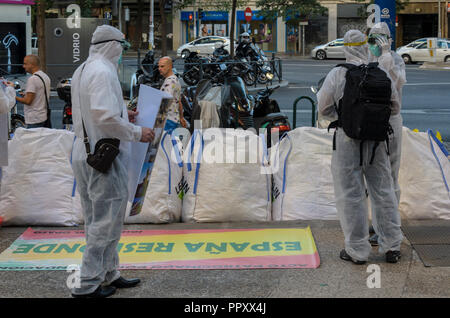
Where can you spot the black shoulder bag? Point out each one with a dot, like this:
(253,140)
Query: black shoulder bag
(48,122)
(106,149)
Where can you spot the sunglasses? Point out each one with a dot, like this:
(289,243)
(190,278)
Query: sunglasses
(125,44)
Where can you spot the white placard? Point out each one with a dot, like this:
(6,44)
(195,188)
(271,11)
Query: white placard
(148,105)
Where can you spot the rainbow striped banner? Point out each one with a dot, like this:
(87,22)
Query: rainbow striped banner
(171,249)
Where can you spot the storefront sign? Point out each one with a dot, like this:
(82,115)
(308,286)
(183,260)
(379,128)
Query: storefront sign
(206,15)
(240,15)
(387,14)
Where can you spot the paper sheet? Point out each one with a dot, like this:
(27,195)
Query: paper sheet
(148,105)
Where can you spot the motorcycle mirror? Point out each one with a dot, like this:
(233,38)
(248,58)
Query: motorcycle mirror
(314,90)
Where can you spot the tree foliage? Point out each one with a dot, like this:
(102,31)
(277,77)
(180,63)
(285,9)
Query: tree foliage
(290,9)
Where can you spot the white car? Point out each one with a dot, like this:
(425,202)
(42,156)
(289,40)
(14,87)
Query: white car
(418,51)
(203,46)
(330,50)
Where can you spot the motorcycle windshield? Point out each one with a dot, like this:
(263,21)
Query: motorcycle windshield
(236,92)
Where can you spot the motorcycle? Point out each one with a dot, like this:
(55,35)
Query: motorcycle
(238,109)
(147,73)
(193,68)
(64,93)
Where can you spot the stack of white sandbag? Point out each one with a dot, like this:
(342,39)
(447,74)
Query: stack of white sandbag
(424,177)
(38,186)
(302,181)
(163,199)
(226,177)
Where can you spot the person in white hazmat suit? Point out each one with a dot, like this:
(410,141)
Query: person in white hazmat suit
(348,175)
(97,101)
(7,101)
(380,51)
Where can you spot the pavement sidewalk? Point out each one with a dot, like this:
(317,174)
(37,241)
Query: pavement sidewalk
(334,277)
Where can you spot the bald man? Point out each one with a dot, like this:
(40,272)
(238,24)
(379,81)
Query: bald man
(34,99)
(172,86)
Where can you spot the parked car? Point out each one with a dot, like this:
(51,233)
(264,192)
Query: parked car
(203,46)
(418,51)
(330,50)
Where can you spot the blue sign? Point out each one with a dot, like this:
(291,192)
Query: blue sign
(206,15)
(388,14)
(241,16)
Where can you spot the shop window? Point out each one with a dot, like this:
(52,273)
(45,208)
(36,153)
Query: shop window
(292,34)
(263,32)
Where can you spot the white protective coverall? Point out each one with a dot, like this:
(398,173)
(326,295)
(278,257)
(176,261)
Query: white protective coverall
(393,64)
(348,175)
(7,101)
(97,98)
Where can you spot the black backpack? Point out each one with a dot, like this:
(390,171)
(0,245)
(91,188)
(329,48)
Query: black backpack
(365,108)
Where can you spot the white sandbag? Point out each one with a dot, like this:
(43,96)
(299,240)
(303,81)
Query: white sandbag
(162,200)
(226,178)
(302,180)
(38,186)
(424,177)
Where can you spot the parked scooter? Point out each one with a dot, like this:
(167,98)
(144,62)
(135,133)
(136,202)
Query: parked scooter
(64,93)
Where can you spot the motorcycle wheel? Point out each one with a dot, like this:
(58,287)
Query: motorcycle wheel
(262,78)
(249,78)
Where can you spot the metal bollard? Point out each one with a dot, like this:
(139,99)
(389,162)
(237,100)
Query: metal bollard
(313,110)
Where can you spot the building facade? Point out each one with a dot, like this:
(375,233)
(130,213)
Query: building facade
(420,18)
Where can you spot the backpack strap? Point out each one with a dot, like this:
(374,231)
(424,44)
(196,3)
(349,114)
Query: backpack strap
(375,146)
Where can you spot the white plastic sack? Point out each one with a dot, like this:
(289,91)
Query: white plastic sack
(226,179)
(302,180)
(424,177)
(163,201)
(38,185)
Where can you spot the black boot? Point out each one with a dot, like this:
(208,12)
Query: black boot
(393,256)
(100,292)
(347,257)
(125,283)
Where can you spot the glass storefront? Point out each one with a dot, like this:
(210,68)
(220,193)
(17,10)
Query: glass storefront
(292,34)
(211,23)
(264,32)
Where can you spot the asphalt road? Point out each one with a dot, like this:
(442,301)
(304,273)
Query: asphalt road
(426,95)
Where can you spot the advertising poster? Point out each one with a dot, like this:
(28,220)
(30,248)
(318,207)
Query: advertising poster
(13,48)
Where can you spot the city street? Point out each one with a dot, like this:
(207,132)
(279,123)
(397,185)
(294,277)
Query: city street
(426,95)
